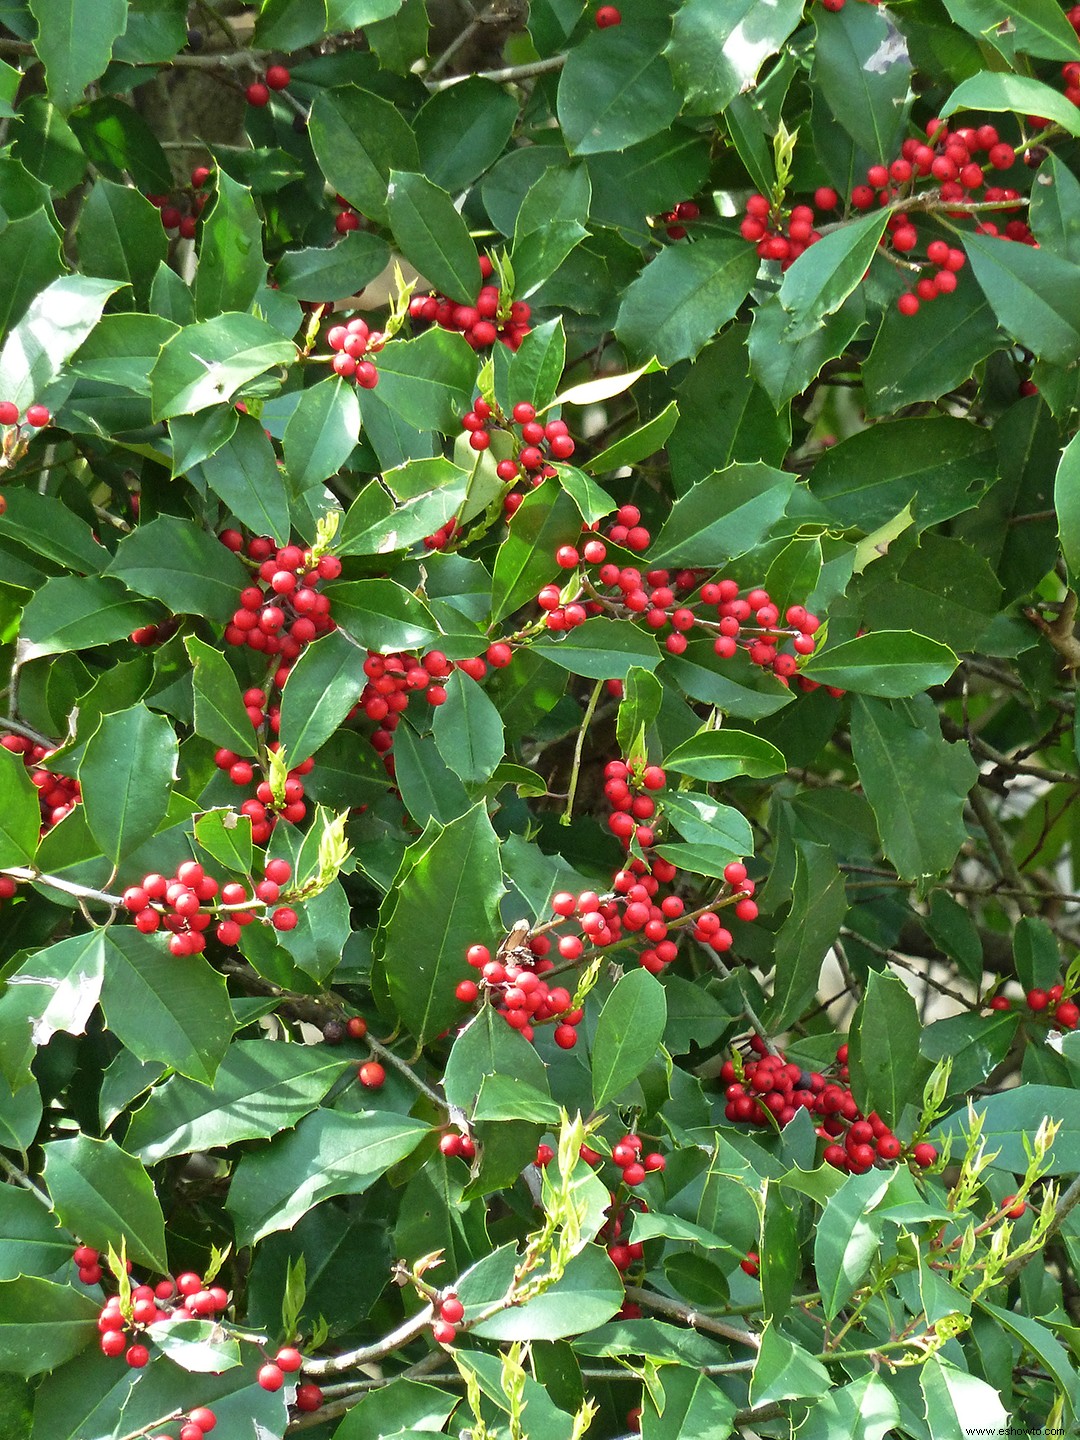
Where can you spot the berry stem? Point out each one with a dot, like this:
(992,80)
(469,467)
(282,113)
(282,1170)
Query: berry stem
(21,1178)
(586,720)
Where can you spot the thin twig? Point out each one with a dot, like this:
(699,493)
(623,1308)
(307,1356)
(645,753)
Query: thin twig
(21,1178)
(18,727)
(676,1310)
(507,76)
(378,1350)
(999,844)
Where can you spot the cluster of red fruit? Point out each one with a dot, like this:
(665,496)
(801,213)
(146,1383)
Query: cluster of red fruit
(780,235)
(514,984)
(451,1312)
(770,1090)
(394,677)
(36,416)
(172,217)
(350,343)
(1052,1002)
(147,635)
(57,794)
(290,612)
(177,905)
(277,77)
(535,446)
(675,219)
(483,322)
(1070,72)
(264,811)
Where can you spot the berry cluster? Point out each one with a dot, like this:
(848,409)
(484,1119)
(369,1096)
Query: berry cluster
(57,794)
(177,905)
(350,343)
(173,217)
(514,984)
(1052,1003)
(1070,72)
(533,447)
(36,416)
(675,220)
(264,811)
(678,604)
(483,322)
(277,77)
(769,1090)
(626,1154)
(289,612)
(147,635)
(783,235)
(391,681)
(451,1313)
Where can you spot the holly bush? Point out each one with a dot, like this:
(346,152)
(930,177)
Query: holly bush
(538,763)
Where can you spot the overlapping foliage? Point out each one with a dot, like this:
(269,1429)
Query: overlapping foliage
(715,949)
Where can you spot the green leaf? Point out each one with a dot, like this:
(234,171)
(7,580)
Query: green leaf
(321,434)
(29,259)
(430,381)
(641,701)
(323,686)
(432,235)
(993,90)
(20,813)
(785,1371)
(121,350)
(1042,1342)
(584,1296)
(485,1047)
(723,516)
(616,87)
(602,649)
(329,1153)
(630,1027)
(117,139)
(165,1007)
(847,1237)
(126,774)
(941,466)
(261,1088)
(508,1097)
(825,274)
(716,52)
(951,1396)
(56,990)
(784,367)
(74,613)
(943,588)
(682,298)
(53,328)
(716,755)
(862,72)
(779,1250)
(639,444)
(374,526)
(890,664)
(32,1242)
(343,268)
(1012,1117)
(103,1195)
(1034,294)
(287,24)
(358,139)
(818,906)
(74,42)
(449,895)
(887,1067)
(220,716)
(461,131)
(1067,504)
(406,1405)
(197,1346)
(207,363)
(43,1325)
(917,783)
(469,730)
(120,236)
(532,373)
(1055,209)
(866,1409)
(1030,27)
(243,470)
(925,355)
(382,615)
(231,266)
(188,570)
(694,1408)
(546,519)
(225,835)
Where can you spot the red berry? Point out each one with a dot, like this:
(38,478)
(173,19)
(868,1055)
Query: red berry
(9,413)
(356,1026)
(371,1075)
(1016,1207)
(289,1359)
(285,918)
(751,1264)
(452,1309)
(277,77)
(634,1173)
(444,1332)
(565,1037)
(137,1356)
(271,1377)
(924,1155)
(279,871)
(308,1397)
(257,94)
(37,415)
(606,16)
(1067,1014)
(1037,1000)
